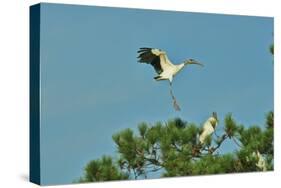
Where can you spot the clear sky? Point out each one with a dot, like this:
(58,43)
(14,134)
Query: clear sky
(93,87)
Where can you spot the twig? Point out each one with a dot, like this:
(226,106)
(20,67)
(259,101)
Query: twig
(176,147)
(216,133)
(135,174)
(154,170)
(223,138)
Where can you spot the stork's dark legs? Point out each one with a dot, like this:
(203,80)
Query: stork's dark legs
(175,104)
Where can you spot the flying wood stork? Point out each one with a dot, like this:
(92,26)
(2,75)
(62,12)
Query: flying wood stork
(164,68)
(158,58)
(208,127)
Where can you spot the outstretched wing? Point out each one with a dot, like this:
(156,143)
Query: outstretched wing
(147,56)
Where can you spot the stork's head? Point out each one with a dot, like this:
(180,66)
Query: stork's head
(214,119)
(192,61)
(214,114)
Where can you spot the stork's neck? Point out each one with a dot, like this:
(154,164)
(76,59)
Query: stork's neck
(185,63)
(181,65)
(163,58)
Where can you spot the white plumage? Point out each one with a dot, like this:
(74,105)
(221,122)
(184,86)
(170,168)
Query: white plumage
(164,68)
(261,164)
(208,128)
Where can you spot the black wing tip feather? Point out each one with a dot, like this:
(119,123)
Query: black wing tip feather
(144,49)
(145,55)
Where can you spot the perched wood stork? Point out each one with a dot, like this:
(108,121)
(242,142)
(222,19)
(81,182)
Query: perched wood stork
(164,68)
(208,127)
(158,58)
(261,164)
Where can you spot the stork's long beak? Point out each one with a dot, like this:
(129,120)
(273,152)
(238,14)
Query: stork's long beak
(188,62)
(196,63)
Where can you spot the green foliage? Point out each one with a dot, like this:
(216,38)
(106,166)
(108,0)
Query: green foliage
(230,126)
(212,164)
(173,148)
(256,139)
(102,170)
(142,129)
(269,119)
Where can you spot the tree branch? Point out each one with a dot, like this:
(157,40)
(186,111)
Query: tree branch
(222,139)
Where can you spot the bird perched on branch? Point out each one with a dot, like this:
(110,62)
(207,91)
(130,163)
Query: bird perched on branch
(164,68)
(261,164)
(208,127)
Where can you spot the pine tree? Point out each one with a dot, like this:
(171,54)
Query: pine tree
(172,149)
(102,170)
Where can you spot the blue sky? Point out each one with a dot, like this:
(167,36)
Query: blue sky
(93,87)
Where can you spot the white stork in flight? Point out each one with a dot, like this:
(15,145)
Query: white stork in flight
(164,68)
